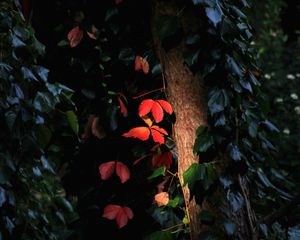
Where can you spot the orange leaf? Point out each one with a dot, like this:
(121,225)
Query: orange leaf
(147,120)
(157,112)
(145,107)
(161,199)
(141,64)
(141,133)
(107,169)
(123,107)
(110,211)
(122,171)
(75,36)
(166,106)
(156,107)
(162,159)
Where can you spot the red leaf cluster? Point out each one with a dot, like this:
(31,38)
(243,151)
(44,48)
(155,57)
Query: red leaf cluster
(119,213)
(143,133)
(107,169)
(156,107)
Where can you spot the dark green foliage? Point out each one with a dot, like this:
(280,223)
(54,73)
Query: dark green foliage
(32,201)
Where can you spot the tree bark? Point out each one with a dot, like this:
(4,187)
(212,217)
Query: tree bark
(187,97)
(186,93)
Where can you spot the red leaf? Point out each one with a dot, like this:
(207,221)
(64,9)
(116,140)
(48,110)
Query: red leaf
(141,64)
(107,169)
(122,171)
(158,134)
(162,159)
(111,211)
(123,107)
(128,212)
(145,107)
(141,133)
(75,36)
(120,214)
(157,112)
(156,107)
(166,106)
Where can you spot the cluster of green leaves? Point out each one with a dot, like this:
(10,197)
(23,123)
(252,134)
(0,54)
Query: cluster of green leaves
(32,201)
(239,131)
(278,57)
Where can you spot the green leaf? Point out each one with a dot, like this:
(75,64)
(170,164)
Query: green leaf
(42,72)
(270,126)
(73,121)
(236,200)
(252,129)
(105,58)
(157,172)
(44,135)
(46,164)
(194,173)
(63,43)
(203,143)
(214,14)
(217,100)
(230,228)
(167,26)
(159,235)
(2,196)
(233,66)
(234,152)
(174,202)
(27,74)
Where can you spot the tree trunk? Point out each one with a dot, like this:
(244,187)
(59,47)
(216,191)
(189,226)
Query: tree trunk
(187,97)
(186,93)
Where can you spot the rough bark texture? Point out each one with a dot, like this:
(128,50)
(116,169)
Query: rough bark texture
(187,97)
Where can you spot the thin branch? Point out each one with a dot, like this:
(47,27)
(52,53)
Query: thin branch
(152,91)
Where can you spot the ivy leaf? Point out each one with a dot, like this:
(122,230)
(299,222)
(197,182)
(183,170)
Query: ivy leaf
(233,66)
(234,152)
(42,72)
(157,172)
(270,126)
(203,143)
(218,100)
(230,228)
(2,196)
(107,169)
(214,14)
(252,129)
(236,200)
(194,173)
(73,121)
(27,74)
